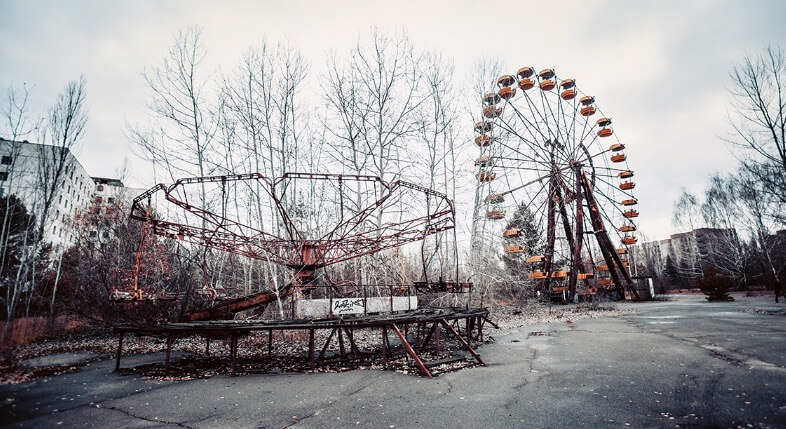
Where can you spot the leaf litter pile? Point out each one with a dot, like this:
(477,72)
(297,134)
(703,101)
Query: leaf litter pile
(289,351)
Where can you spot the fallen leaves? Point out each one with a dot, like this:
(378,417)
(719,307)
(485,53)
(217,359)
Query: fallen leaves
(289,350)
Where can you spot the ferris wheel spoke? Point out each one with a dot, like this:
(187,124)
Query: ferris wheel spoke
(558,135)
(607,168)
(516,150)
(532,144)
(533,108)
(623,192)
(516,167)
(529,125)
(617,208)
(532,182)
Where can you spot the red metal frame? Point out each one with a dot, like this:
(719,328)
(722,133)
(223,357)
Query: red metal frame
(351,238)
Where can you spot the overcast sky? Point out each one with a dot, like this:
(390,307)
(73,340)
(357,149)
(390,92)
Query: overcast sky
(659,68)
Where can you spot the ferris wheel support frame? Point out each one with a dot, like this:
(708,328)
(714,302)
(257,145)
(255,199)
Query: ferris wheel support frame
(610,256)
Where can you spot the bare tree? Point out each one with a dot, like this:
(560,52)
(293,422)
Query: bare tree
(437,133)
(753,208)
(59,134)
(758,118)
(688,217)
(482,248)
(66,126)
(721,209)
(372,112)
(180,139)
(260,103)
(16,125)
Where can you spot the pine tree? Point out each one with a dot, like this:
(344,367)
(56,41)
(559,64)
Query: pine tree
(670,272)
(531,239)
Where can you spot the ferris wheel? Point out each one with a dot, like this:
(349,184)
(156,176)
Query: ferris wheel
(547,150)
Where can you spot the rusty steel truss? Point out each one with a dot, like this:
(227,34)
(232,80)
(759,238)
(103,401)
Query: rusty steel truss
(360,229)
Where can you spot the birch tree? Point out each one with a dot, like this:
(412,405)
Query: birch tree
(372,108)
(686,216)
(56,163)
(721,209)
(438,133)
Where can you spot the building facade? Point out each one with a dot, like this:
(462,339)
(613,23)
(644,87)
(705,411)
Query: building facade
(686,255)
(52,183)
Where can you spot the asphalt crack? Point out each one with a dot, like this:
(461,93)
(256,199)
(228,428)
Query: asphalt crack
(300,419)
(356,391)
(130,414)
(730,356)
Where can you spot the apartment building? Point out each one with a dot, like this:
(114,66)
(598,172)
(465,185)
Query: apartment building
(107,194)
(701,247)
(25,166)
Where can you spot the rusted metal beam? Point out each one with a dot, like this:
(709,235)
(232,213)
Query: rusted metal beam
(341,344)
(239,304)
(352,346)
(437,344)
(548,257)
(311,349)
(463,343)
(411,351)
(604,243)
(327,344)
(428,337)
(233,351)
(385,346)
(119,351)
(168,353)
(579,240)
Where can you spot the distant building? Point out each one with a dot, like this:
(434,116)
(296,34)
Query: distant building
(23,169)
(689,251)
(107,195)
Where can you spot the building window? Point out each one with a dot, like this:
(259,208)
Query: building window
(5,160)
(3,176)
(93,234)
(54,229)
(60,200)
(105,234)
(2,192)
(64,217)
(110,200)
(100,188)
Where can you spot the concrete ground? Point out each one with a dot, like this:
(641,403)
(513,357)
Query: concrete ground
(683,363)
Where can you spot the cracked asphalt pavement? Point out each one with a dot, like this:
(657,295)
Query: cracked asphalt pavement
(684,363)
